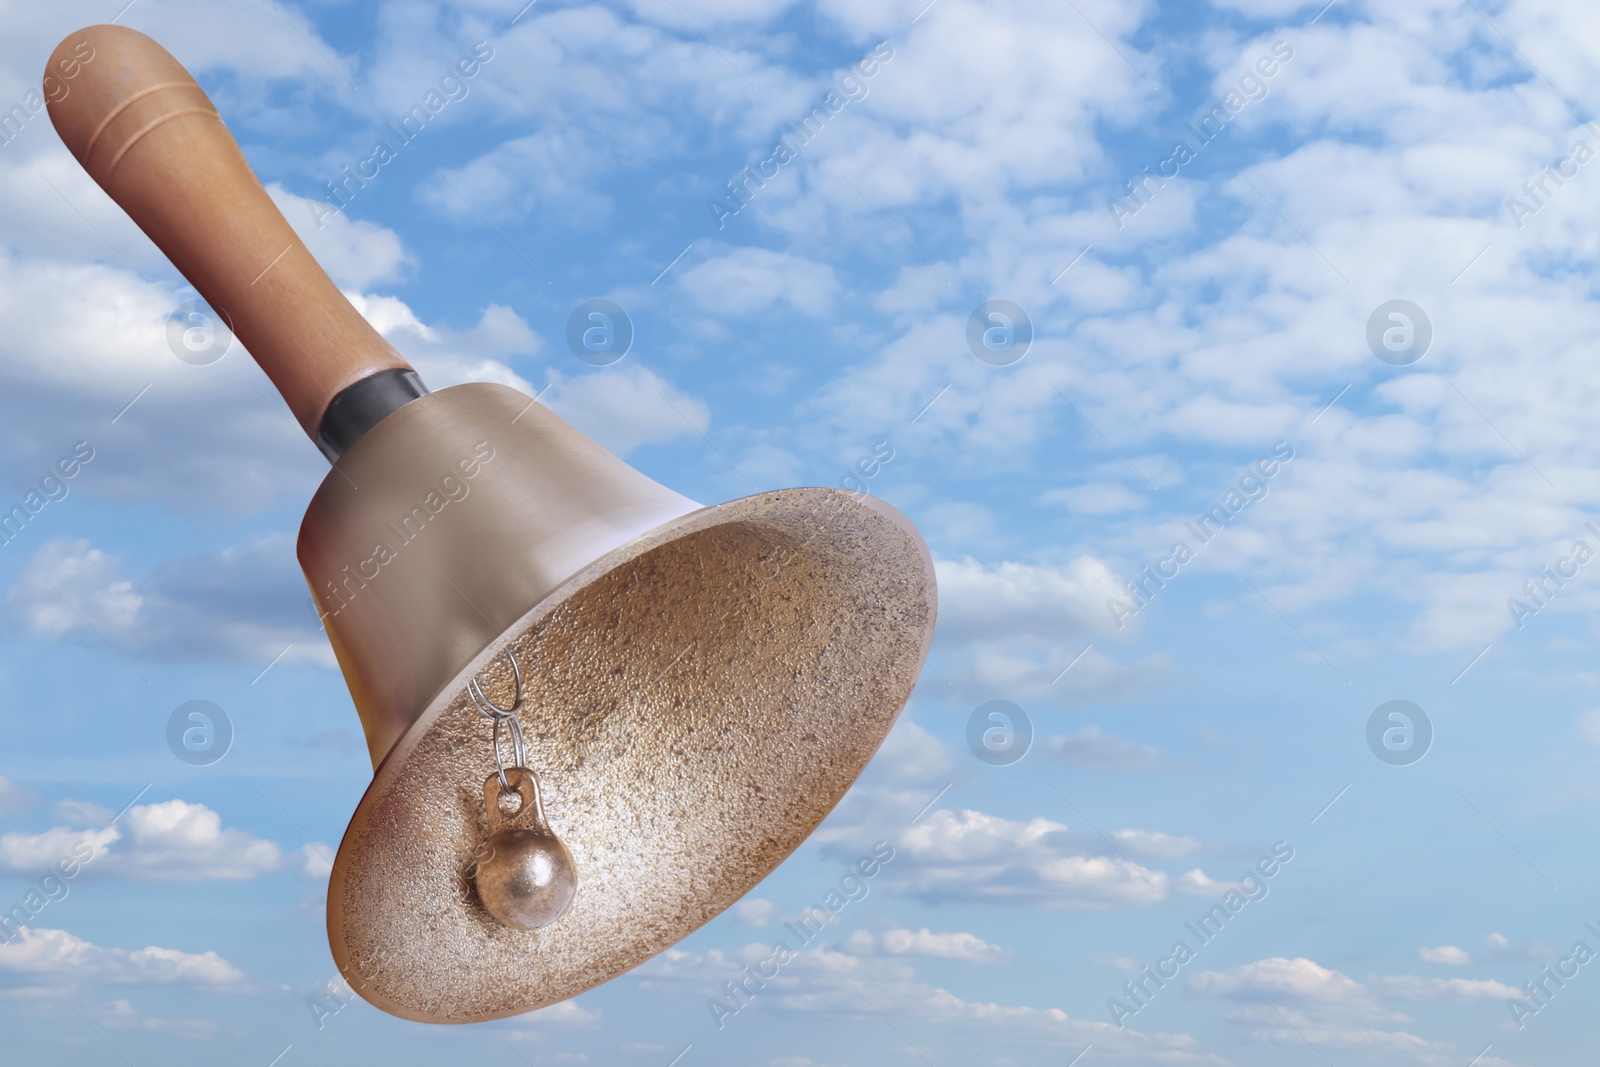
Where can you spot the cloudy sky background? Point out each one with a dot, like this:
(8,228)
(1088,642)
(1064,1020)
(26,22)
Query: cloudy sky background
(1174,346)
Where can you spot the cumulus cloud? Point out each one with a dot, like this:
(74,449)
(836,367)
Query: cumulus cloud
(1446,954)
(748,280)
(975,856)
(969,948)
(819,980)
(1030,630)
(1197,883)
(1095,498)
(58,954)
(754,911)
(1026,600)
(972,855)
(710,12)
(1299,978)
(1221,334)
(1411,987)
(541,170)
(88,341)
(1304,1001)
(89,348)
(626,407)
(356,254)
(122,1015)
(444,356)
(567,1013)
(171,841)
(247,603)
(911,770)
(590,92)
(89,344)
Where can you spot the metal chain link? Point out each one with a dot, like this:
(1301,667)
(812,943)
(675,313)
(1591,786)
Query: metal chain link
(503,717)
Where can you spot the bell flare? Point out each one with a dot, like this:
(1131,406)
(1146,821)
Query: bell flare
(701,686)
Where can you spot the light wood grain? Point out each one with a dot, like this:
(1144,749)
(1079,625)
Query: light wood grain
(144,130)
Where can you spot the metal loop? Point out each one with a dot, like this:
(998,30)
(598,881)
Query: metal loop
(499,716)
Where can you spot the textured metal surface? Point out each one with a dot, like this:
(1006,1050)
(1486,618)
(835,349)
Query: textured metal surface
(696,702)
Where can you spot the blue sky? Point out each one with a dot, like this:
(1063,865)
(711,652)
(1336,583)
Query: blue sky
(1234,313)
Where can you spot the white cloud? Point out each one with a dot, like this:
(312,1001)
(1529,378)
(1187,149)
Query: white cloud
(748,280)
(942,121)
(910,770)
(122,1015)
(1446,954)
(951,946)
(818,982)
(551,169)
(25,853)
(1009,599)
(709,12)
(1299,978)
(974,856)
(1502,947)
(625,408)
(754,912)
(567,1013)
(1095,498)
(246,602)
(316,860)
(912,755)
(445,357)
(87,341)
(179,841)
(56,953)
(84,341)
(1197,883)
(1013,628)
(1413,988)
(592,93)
(171,841)
(1307,1002)
(356,254)
(1237,341)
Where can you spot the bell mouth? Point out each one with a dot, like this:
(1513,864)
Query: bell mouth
(694,704)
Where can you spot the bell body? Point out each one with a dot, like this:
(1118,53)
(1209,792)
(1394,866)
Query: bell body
(702,685)
(444,524)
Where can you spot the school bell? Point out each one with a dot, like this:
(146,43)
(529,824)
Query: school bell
(598,712)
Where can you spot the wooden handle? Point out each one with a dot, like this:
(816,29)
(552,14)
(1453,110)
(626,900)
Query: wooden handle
(144,130)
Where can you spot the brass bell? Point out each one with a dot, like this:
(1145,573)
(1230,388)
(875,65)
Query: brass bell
(703,684)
